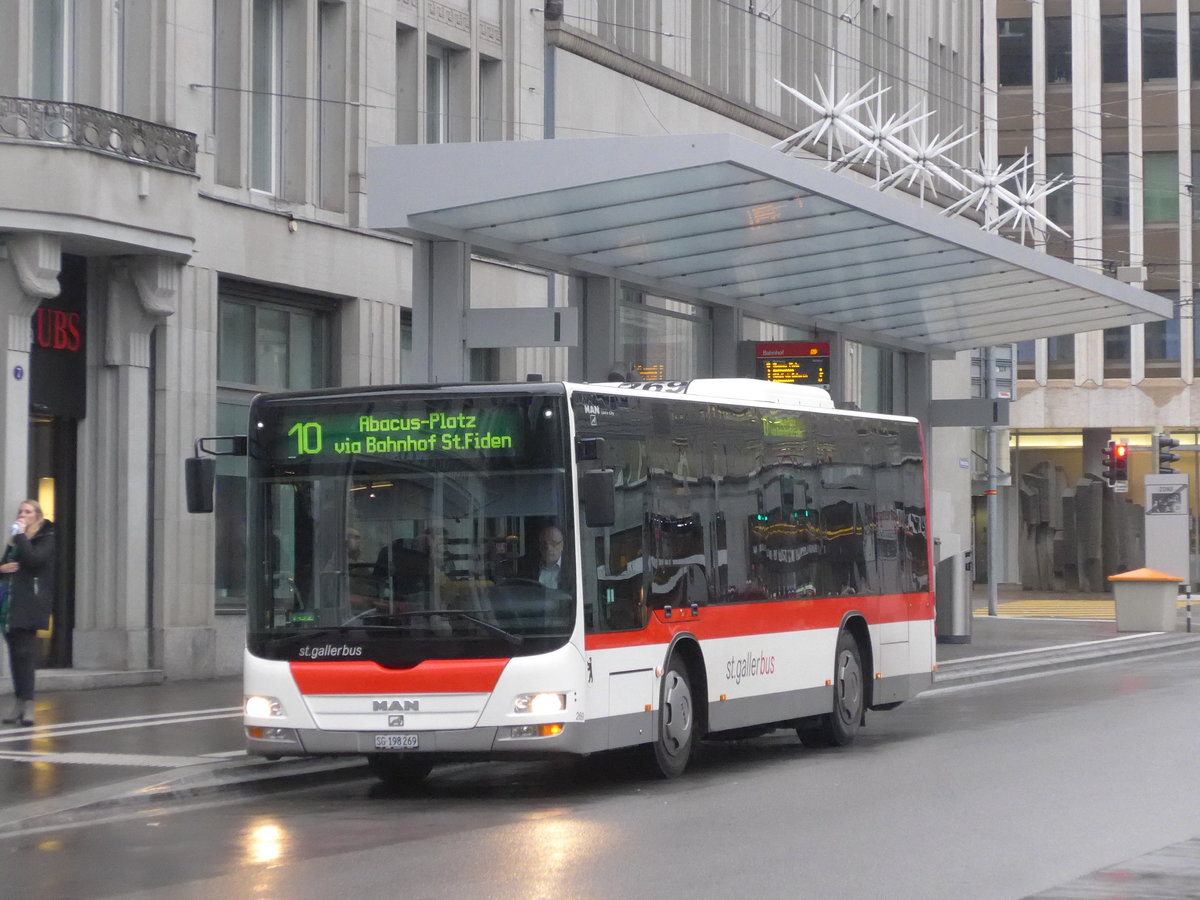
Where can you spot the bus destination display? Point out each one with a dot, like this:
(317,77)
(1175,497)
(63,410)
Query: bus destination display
(423,432)
(792,362)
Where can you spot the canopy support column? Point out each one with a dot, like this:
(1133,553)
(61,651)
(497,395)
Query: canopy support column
(441,297)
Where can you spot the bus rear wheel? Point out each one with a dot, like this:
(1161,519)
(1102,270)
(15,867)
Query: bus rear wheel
(398,771)
(675,736)
(839,727)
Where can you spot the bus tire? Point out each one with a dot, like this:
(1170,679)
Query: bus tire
(840,726)
(398,771)
(675,736)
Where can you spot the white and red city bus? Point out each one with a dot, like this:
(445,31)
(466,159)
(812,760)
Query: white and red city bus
(737,556)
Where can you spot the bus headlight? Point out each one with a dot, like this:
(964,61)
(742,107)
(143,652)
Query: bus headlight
(540,704)
(263,707)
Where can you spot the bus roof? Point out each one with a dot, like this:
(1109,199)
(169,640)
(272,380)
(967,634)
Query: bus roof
(750,391)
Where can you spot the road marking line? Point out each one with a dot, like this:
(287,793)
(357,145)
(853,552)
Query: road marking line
(68,728)
(149,717)
(104,759)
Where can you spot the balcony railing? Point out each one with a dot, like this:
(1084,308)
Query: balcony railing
(76,125)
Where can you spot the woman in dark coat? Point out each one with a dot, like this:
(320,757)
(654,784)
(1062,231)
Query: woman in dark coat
(28,563)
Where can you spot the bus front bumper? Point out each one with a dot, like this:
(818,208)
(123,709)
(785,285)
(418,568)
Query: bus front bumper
(483,743)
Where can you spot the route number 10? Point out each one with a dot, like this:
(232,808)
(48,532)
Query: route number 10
(308,437)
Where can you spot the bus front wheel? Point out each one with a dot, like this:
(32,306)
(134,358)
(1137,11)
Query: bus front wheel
(676,722)
(839,727)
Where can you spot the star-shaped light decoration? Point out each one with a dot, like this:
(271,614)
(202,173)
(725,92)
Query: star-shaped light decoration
(989,191)
(835,121)
(925,162)
(879,138)
(1022,212)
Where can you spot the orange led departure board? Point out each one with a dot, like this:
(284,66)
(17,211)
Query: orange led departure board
(651,371)
(792,362)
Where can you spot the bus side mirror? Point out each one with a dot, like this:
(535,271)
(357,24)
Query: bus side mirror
(598,494)
(200,473)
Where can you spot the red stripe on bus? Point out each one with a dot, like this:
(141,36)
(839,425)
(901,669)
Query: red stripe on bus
(741,619)
(434,676)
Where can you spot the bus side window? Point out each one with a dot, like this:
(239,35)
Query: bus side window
(679,586)
(620,581)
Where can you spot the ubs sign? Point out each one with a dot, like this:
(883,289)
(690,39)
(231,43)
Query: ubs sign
(58,344)
(57,329)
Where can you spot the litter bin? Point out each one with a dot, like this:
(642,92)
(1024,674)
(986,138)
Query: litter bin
(1146,600)
(952,595)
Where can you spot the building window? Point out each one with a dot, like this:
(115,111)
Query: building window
(635,27)
(1114,43)
(1114,190)
(1060,206)
(1026,359)
(1058,50)
(1191,188)
(762,330)
(437,95)
(1014,51)
(1161,186)
(877,379)
(491,100)
(52,50)
(1195,29)
(719,46)
(1060,356)
(660,338)
(227,94)
(1195,346)
(264,343)
(1116,352)
(408,61)
(1162,342)
(266,78)
(1158,46)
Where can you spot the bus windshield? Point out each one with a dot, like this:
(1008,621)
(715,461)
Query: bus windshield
(401,529)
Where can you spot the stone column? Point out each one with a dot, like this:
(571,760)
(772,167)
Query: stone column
(29,266)
(113,613)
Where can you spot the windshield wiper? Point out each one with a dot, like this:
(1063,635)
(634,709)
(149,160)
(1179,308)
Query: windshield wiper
(470,616)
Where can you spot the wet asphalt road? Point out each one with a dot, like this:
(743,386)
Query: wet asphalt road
(997,790)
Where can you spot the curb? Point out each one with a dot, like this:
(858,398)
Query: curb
(979,669)
(51,680)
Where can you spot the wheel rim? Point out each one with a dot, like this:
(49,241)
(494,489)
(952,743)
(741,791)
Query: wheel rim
(849,687)
(676,714)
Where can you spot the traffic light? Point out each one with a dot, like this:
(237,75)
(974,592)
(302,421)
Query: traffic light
(1116,462)
(1165,455)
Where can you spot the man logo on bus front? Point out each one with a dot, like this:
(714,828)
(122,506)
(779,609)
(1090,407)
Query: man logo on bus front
(395,705)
